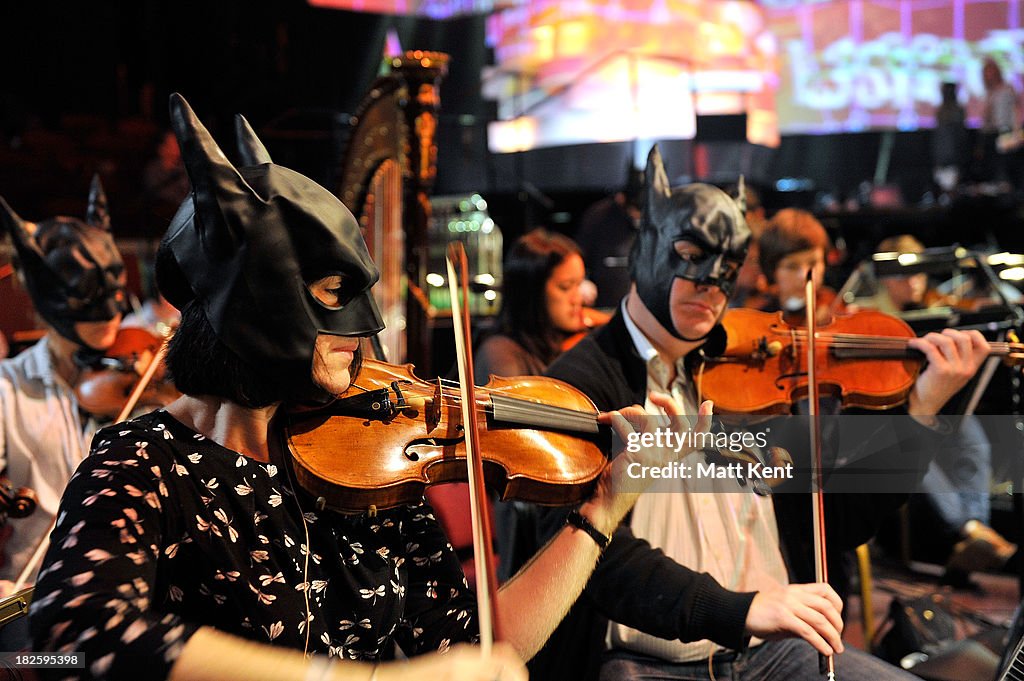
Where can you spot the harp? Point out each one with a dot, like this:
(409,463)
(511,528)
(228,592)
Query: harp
(388,171)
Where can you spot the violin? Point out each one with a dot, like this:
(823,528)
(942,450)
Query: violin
(17,502)
(861,358)
(539,437)
(105,387)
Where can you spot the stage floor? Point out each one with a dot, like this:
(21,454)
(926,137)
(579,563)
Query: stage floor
(987,605)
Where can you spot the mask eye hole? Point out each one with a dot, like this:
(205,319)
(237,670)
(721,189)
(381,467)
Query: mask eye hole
(689,251)
(330,291)
(730,268)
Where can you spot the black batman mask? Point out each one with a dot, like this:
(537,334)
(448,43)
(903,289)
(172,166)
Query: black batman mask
(72,269)
(245,245)
(699,213)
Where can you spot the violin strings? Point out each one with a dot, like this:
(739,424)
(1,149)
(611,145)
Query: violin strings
(863,340)
(869,342)
(508,391)
(551,414)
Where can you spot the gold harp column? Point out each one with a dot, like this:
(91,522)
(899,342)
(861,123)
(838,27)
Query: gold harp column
(388,172)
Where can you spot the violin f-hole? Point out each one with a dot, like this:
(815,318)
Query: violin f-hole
(790,376)
(432,442)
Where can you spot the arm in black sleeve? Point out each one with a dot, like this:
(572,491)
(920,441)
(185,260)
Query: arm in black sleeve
(638,585)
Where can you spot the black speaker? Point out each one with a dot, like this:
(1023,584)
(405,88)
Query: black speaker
(721,128)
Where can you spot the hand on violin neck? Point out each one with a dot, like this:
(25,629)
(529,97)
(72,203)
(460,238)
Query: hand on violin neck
(954,357)
(638,429)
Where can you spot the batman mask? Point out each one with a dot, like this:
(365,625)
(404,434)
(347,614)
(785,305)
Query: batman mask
(246,244)
(699,213)
(72,269)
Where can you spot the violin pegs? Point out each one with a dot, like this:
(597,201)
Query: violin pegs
(774,348)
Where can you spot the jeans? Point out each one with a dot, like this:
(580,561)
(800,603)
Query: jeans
(791,659)
(958,479)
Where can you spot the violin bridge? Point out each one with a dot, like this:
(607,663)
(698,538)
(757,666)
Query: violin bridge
(434,408)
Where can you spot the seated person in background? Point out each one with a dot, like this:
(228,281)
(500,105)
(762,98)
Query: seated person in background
(751,284)
(606,232)
(897,293)
(792,243)
(541,307)
(693,574)
(957,487)
(185,534)
(155,315)
(541,311)
(75,277)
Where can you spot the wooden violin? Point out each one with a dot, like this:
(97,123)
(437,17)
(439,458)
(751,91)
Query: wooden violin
(861,358)
(539,438)
(104,388)
(17,502)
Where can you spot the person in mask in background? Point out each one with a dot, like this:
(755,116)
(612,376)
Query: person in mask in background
(75,277)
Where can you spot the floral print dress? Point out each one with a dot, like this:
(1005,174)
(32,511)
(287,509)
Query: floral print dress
(162,531)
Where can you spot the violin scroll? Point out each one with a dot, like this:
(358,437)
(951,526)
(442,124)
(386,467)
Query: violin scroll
(15,502)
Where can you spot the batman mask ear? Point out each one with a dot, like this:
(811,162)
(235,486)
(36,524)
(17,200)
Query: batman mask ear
(97,214)
(741,195)
(250,149)
(11,221)
(211,175)
(658,189)
(22,232)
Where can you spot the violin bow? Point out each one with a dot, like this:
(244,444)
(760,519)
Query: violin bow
(486,574)
(140,385)
(826,663)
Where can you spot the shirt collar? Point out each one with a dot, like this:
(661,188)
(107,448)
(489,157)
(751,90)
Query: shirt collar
(38,365)
(657,370)
(643,346)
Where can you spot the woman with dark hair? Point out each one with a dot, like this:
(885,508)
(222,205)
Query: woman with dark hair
(541,306)
(184,548)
